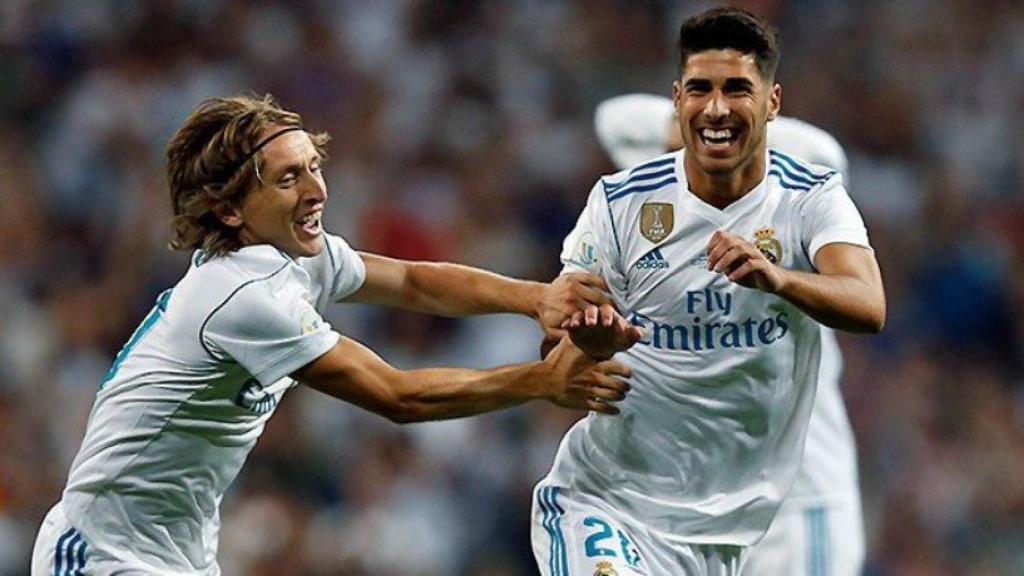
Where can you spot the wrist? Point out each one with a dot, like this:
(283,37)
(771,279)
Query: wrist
(538,379)
(783,278)
(533,295)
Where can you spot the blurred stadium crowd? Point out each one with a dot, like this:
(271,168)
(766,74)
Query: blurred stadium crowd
(462,131)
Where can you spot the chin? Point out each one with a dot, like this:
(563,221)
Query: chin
(718,166)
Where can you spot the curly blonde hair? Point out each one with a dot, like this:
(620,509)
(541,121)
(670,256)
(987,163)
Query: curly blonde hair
(209,167)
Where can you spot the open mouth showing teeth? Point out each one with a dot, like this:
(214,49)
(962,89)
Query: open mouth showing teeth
(310,223)
(720,137)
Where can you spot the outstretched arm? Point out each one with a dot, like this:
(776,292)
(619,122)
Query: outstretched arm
(448,289)
(567,378)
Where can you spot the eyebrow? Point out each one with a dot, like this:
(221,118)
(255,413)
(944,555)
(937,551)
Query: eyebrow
(739,83)
(732,83)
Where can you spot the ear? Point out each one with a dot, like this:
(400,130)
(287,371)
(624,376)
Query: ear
(677,95)
(774,101)
(229,214)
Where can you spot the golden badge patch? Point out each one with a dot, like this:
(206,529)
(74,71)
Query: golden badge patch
(768,244)
(656,221)
(604,568)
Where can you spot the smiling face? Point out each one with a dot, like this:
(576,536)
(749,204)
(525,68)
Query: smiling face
(724,105)
(285,205)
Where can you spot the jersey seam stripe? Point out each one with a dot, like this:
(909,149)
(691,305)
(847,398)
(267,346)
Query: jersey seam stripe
(799,176)
(202,328)
(826,544)
(635,189)
(800,166)
(559,512)
(58,556)
(633,178)
(546,523)
(615,232)
(80,557)
(787,184)
(69,567)
(646,166)
(147,324)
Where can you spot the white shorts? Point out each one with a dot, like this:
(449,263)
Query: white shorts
(812,539)
(575,534)
(59,550)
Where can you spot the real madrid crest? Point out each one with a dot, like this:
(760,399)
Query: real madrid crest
(768,244)
(656,221)
(604,568)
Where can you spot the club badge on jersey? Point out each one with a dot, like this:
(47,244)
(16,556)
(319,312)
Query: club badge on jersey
(656,221)
(768,244)
(605,568)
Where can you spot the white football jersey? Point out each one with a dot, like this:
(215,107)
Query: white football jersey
(633,129)
(710,439)
(188,395)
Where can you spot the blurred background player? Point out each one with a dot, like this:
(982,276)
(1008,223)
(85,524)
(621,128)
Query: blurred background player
(819,528)
(729,255)
(189,394)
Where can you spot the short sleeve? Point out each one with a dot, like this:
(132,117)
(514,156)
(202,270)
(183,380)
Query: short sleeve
(592,246)
(268,336)
(829,216)
(348,271)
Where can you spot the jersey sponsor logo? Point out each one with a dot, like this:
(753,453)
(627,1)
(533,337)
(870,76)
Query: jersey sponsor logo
(653,260)
(701,334)
(768,244)
(605,568)
(656,221)
(585,253)
(255,398)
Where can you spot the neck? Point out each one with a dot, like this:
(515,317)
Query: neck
(722,189)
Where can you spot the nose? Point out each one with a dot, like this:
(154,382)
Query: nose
(717,107)
(316,188)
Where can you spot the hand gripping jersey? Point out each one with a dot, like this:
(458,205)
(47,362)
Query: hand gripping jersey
(710,439)
(188,396)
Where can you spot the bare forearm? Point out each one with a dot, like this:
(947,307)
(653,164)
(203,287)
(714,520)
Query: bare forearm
(455,290)
(443,393)
(842,302)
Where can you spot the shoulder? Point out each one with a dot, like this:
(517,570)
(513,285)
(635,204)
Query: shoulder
(794,174)
(641,180)
(247,276)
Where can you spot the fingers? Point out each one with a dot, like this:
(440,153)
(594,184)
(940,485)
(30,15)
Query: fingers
(732,258)
(588,279)
(601,407)
(614,368)
(587,295)
(742,272)
(607,394)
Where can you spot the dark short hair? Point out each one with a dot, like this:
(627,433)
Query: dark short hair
(724,28)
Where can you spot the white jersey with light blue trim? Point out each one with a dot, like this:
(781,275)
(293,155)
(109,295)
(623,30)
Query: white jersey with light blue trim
(710,439)
(188,396)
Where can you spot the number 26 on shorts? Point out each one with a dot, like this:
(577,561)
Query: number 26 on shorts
(601,542)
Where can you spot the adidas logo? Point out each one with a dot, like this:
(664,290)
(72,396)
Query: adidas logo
(653,260)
